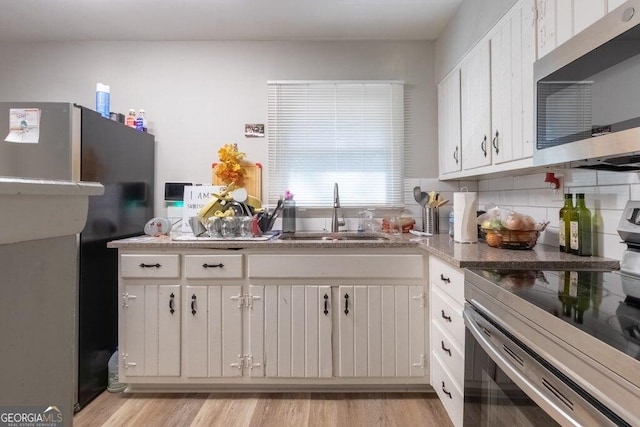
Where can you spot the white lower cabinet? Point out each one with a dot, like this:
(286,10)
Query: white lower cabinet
(298,326)
(192,318)
(151,344)
(213,331)
(381,331)
(447,336)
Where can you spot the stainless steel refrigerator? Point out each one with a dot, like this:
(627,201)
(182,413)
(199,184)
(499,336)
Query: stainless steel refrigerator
(76,143)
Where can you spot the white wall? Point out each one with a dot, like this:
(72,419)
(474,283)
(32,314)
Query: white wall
(199,95)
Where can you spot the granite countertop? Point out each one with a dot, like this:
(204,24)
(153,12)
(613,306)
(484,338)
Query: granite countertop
(475,255)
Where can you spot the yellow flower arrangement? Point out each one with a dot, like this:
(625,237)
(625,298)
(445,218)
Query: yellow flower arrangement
(230,170)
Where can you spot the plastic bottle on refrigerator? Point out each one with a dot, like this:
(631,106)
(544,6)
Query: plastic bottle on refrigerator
(103,95)
(131,118)
(141,121)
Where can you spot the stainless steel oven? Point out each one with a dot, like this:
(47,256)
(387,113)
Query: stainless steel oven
(541,350)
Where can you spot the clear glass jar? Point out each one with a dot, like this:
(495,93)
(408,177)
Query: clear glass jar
(229,227)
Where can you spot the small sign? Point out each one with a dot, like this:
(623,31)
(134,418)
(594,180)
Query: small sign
(195,197)
(24,126)
(254,130)
(32,416)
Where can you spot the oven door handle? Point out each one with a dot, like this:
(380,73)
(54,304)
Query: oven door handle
(526,385)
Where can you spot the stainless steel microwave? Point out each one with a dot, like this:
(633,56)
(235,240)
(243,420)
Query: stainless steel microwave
(588,96)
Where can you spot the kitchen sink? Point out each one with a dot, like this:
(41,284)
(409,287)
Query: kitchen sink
(333,237)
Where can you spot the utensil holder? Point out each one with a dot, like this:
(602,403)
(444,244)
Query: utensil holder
(430,220)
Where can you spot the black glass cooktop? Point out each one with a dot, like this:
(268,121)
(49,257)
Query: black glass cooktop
(605,305)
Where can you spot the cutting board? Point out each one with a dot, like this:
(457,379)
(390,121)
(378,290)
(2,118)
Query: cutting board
(252,181)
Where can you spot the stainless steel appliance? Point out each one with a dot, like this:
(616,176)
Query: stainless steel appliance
(76,143)
(588,96)
(555,347)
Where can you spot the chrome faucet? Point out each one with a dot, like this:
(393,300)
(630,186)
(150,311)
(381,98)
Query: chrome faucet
(335,222)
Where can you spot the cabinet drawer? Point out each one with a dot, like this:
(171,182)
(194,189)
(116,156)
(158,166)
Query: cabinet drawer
(213,266)
(448,278)
(447,314)
(449,394)
(449,352)
(150,265)
(336,266)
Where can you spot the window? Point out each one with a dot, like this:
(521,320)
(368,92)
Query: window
(324,132)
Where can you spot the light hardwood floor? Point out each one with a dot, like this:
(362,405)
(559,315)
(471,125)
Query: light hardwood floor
(264,410)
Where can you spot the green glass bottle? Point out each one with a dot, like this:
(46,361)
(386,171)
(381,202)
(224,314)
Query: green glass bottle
(564,231)
(583,296)
(580,228)
(564,292)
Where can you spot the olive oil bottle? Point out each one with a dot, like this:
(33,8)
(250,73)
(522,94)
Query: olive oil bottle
(580,228)
(564,228)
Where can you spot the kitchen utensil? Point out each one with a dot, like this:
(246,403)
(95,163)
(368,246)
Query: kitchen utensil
(432,198)
(442,203)
(417,194)
(420,233)
(276,212)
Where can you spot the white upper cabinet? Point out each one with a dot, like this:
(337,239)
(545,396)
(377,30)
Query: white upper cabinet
(586,12)
(612,4)
(559,20)
(546,26)
(475,80)
(449,123)
(512,58)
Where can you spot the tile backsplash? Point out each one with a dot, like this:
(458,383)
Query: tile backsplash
(606,194)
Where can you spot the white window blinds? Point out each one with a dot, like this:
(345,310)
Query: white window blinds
(323,132)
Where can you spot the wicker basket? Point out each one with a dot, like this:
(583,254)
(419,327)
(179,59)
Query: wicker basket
(510,239)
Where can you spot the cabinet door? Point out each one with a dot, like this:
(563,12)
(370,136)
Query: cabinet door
(151,330)
(586,12)
(381,331)
(476,106)
(449,124)
(505,71)
(213,340)
(546,27)
(527,83)
(612,4)
(297,323)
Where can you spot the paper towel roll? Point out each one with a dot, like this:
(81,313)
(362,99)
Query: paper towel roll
(465,229)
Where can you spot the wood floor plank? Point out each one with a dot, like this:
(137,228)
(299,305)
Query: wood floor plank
(101,408)
(281,410)
(264,410)
(232,410)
